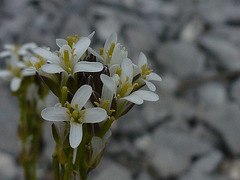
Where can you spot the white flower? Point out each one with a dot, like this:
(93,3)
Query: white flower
(68,59)
(16,66)
(75,114)
(121,84)
(146,75)
(112,52)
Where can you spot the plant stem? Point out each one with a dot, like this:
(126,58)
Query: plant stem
(55,162)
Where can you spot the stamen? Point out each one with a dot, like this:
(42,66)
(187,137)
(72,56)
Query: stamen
(68,105)
(118,72)
(72,119)
(76,106)
(75,114)
(101,51)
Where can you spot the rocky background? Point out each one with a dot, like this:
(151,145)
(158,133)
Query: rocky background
(193,132)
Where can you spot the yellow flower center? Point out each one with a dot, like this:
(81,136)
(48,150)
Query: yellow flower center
(75,115)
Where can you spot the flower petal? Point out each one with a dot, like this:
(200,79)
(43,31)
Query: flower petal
(4,54)
(127,70)
(75,136)
(146,95)
(29,72)
(81,46)
(5,74)
(133,98)
(111,39)
(94,115)
(47,55)
(109,82)
(118,55)
(113,69)
(95,54)
(142,60)
(107,94)
(154,77)
(81,96)
(61,42)
(15,84)
(84,66)
(150,85)
(55,114)
(52,68)
(91,35)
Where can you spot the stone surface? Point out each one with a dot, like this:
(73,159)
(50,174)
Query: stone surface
(224,119)
(212,94)
(8,168)
(225,52)
(111,170)
(182,59)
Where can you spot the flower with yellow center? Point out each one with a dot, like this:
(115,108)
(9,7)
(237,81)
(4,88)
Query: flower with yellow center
(75,114)
(123,86)
(112,53)
(69,56)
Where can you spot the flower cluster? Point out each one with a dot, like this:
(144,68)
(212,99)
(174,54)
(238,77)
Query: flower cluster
(93,87)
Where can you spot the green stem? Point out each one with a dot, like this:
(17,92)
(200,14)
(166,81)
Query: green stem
(69,165)
(55,162)
(106,127)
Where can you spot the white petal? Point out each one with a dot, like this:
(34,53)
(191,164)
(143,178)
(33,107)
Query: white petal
(47,55)
(118,55)
(81,96)
(142,60)
(113,69)
(10,47)
(91,35)
(29,72)
(52,68)
(109,82)
(88,104)
(136,70)
(107,94)
(127,70)
(133,98)
(4,54)
(75,136)
(94,115)
(30,45)
(111,39)
(55,114)
(15,84)
(61,42)
(154,77)
(81,46)
(66,47)
(34,60)
(150,85)
(95,54)
(146,95)
(85,66)
(5,74)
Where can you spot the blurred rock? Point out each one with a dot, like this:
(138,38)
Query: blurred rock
(212,94)
(235,90)
(8,168)
(182,59)
(224,119)
(111,170)
(226,53)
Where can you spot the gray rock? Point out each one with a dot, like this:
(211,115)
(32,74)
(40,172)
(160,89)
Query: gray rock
(224,119)
(213,93)
(218,12)
(144,176)
(8,168)
(111,170)
(235,90)
(167,162)
(171,150)
(200,176)
(225,52)
(208,163)
(181,58)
